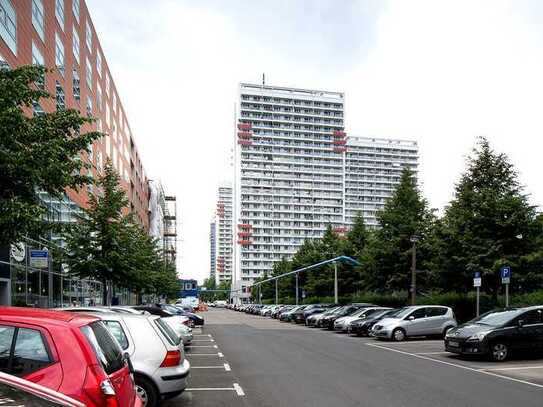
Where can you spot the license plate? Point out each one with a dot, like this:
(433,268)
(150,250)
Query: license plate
(454,344)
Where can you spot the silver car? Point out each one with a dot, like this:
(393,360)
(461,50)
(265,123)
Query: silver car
(416,320)
(181,330)
(156,353)
(342,324)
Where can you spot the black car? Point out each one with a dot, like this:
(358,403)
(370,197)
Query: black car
(328,321)
(499,333)
(362,327)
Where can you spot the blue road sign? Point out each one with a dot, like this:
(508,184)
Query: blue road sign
(39,258)
(477,274)
(506,274)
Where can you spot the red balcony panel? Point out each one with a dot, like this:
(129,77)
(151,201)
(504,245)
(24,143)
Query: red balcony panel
(244,242)
(339,142)
(245,226)
(245,134)
(341,229)
(339,134)
(245,142)
(244,234)
(340,149)
(245,126)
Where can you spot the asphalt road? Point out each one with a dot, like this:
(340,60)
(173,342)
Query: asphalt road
(278,364)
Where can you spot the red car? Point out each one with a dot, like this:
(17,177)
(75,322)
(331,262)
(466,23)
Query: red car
(71,353)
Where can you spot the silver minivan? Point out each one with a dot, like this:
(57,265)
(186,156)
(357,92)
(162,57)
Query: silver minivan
(415,320)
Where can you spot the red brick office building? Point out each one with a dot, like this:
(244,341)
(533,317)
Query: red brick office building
(60,33)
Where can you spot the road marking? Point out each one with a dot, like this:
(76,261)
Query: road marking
(203,346)
(206,354)
(210,388)
(203,340)
(513,368)
(227,367)
(209,335)
(238,389)
(455,365)
(208,367)
(432,353)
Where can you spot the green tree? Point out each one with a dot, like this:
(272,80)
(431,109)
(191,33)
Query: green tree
(489,224)
(37,153)
(209,284)
(99,244)
(388,259)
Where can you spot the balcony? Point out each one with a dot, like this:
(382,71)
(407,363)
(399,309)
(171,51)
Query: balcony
(245,126)
(245,142)
(339,134)
(339,142)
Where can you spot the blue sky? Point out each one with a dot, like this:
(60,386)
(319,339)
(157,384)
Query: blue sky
(440,72)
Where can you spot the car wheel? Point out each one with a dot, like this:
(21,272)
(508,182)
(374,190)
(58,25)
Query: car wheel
(499,352)
(447,329)
(146,392)
(398,335)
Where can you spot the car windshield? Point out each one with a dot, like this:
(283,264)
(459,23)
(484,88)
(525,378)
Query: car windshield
(383,313)
(400,313)
(497,318)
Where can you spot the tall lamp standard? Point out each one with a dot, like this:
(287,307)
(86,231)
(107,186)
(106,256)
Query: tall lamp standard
(414,239)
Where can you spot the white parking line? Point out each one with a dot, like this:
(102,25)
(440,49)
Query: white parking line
(238,389)
(203,340)
(455,365)
(203,346)
(210,388)
(514,368)
(208,367)
(206,354)
(433,353)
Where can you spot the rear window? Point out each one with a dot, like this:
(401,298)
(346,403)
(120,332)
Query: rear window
(107,350)
(117,331)
(168,332)
(22,351)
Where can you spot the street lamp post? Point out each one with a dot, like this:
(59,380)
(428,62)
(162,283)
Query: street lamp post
(414,239)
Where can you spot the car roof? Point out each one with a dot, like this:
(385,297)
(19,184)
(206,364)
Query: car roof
(45,315)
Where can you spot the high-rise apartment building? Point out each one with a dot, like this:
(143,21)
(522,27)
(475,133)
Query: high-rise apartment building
(373,168)
(60,35)
(212,249)
(296,172)
(224,234)
(163,220)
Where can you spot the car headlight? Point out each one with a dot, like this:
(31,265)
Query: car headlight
(478,336)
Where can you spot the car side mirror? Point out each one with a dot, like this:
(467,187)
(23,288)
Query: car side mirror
(126,357)
(410,318)
(520,323)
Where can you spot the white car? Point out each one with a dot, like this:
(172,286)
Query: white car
(342,324)
(156,353)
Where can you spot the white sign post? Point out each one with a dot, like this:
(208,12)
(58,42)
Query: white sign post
(477,284)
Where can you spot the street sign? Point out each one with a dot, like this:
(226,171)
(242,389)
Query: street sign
(477,281)
(506,274)
(39,258)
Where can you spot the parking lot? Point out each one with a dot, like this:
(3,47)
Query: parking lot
(212,381)
(249,360)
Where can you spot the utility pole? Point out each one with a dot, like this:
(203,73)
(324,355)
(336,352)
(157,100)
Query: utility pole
(335,284)
(296,288)
(414,239)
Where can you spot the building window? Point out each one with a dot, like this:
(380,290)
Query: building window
(89,106)
(75,43)
(3,63)
(88,74)
(8,25)
(89,36)
(98,97)
(99,63)
(75,9)
(37,17)
(59,12)
(61,100)
(59,53)
(107,83)
(37,110)
(37,59)
(76,85)
(99,163)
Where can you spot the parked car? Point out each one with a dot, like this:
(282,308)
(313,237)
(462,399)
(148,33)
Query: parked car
(313,320)
(15,391)
(342,323)
(72,353)
(178,310)
(499,333)
(299,315)
(317,309)
(162,312)
(160,367)
(277,312)
(416,320)
(362,326)
(219,304)
(328,320)
(287,315)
